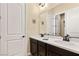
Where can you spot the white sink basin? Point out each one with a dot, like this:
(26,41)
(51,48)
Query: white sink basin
(63,42)
(71,44)
(59,41)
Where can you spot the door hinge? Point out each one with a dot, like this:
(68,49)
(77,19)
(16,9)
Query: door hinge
(0,37)
(0,17)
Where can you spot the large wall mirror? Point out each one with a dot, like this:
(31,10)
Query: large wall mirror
(60,24)
(54,24)
(63,23)
(72,22)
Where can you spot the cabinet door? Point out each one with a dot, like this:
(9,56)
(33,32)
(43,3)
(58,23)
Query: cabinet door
(50,53)
(53,51)
(33,47)
(41,49)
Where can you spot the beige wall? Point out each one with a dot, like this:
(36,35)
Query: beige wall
(34,13)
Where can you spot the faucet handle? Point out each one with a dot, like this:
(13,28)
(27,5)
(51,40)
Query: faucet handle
(66,38)
(67,35)
(42,35)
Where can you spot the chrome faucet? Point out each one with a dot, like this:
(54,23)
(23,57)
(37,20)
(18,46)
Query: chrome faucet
(48,34)
(42,35)
(66,38)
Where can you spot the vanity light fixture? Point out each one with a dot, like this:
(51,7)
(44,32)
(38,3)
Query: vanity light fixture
(42,4)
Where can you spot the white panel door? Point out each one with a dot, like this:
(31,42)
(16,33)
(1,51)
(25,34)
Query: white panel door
(13,29)
(0,29)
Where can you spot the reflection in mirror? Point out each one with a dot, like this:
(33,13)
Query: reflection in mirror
(52,24)
(60,24)
(72,22)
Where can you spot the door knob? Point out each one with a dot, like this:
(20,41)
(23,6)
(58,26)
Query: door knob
(23,36)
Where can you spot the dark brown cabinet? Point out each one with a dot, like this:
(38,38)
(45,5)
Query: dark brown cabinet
(33,47)
(39,48)
(59,51)
(51,51)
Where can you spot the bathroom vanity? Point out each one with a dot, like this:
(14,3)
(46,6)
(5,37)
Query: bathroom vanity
(62,23)
(40,47)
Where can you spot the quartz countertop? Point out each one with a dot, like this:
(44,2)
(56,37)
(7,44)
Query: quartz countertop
(72,45)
